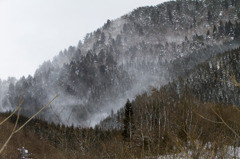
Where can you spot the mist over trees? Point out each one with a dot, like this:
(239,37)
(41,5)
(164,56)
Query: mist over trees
(161,81)
(146,48)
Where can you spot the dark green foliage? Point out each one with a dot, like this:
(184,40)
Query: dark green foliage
(226,4)
(100,71)
(237,30)
(207,79)
(170,16)
(209,16)
(221,29)
(208,33)
(107,25)
(214,31)
(229,31)
(112,59)
(128,121)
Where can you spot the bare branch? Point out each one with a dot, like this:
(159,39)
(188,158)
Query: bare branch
(14,131)
(36,114)
(216,122)
(226,124)
(20,104)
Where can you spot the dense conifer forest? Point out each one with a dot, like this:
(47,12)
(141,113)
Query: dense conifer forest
(161,81)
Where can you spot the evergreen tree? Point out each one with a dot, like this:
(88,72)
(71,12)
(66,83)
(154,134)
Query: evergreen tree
(170,16)
(128,124)
(233,2)
(194,22)
(237,30)
(231,31)
(197,5)
(208,35)
(209,16)
(221,28)
(226,5)
(214,31)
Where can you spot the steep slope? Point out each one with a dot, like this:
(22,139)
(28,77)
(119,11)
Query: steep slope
(126,56)
(185,117)
(38,145)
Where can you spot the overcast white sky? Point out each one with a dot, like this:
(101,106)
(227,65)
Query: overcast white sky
(33,31)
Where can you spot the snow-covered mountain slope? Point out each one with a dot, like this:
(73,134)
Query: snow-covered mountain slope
(125,57)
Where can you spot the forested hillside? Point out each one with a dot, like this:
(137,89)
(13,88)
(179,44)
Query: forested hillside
(188,114)
(159,82)
(176,120)
(148,47)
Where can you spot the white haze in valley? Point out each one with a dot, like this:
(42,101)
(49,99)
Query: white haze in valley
(142,66)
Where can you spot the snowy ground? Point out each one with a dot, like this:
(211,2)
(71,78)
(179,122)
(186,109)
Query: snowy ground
(227,152)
